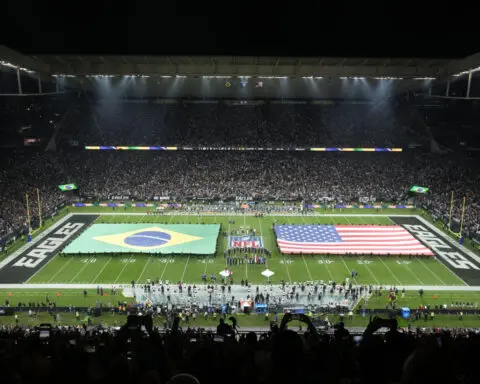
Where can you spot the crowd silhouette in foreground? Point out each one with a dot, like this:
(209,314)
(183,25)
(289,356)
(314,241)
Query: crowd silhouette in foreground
(137,352)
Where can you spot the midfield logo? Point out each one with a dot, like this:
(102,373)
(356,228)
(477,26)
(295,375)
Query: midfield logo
(146,239)
(48,246)
(245,242)
(442,249)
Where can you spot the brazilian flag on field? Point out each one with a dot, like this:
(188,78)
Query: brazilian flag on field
(200,239)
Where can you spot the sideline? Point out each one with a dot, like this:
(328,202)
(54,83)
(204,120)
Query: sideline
(436,288)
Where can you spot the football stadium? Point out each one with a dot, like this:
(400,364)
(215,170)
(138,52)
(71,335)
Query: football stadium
(338,195)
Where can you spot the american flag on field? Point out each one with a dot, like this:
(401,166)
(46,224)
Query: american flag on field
(353,239)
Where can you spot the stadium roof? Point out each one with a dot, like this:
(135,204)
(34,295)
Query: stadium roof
(245,65)
(75,65)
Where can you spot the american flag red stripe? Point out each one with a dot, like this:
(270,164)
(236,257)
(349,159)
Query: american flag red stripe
(361,239)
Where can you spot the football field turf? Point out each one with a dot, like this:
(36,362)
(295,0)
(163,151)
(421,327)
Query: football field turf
(125,267)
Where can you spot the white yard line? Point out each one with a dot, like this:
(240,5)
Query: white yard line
(383,262)
(324,263)
(435,288)
(371,274)
(185,269)
(150,257)
(94,280)
(303,257)
(80,270)
(433,273)
(121,271)
(389,270)
(60,269)
(206,265)
(308,269)
(315,215)
(346,266)
(144,269)
(241,214)
(414,274)
(164,269)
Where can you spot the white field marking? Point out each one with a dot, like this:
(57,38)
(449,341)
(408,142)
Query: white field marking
(365,265)
(308,269)
(206,265)
(39,237)
(241,214)
(261,236)
(185,269)
(433,273)
(346,267)
(305,261)
(101,270)
(326,264)
(413,273)
(80,270)
(164,269)
(421,261)
(60,270)
(144,268)
(453,243)
(348,270)
(121,271)
(34,241)
(383,262)
(389,270)
(228,242)
(149,257)
(370,271)
(286,265)
(435,288)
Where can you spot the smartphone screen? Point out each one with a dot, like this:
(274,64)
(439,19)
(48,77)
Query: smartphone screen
(44,334)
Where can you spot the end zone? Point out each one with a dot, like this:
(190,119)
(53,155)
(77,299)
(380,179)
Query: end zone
(459,260)
(30,258)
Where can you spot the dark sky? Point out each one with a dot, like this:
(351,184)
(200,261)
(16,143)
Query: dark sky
(288,28)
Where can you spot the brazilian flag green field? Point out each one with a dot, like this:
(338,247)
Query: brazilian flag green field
(199,239)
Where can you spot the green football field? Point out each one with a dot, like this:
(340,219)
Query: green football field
(123,268)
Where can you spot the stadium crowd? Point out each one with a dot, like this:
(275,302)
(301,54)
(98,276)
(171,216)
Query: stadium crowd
(220,175)
(138,352)
(219,124)
(142,353)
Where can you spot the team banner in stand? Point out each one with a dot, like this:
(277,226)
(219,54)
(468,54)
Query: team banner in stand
(166,148)
(245,206)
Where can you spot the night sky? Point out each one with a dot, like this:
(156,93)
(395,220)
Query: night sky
(300,28)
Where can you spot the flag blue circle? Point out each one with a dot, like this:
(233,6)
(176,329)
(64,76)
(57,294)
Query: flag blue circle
(68,187)
(148,239)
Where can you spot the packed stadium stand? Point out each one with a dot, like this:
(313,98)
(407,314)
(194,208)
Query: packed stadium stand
(223,175)
(43,139)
